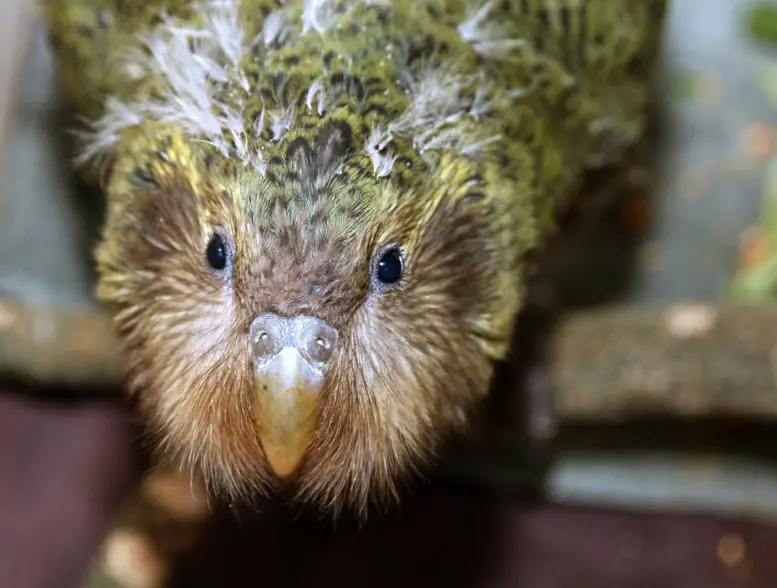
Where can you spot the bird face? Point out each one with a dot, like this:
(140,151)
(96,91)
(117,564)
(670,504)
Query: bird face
(312,327)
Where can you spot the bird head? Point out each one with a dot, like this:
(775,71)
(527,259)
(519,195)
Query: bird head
(312,325)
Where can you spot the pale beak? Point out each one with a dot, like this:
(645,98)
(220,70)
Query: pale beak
(291,357)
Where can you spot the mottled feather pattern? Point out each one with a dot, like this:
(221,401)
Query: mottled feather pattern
(314,134)
(207,73)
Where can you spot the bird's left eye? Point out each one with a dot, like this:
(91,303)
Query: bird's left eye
(390,266)
(216,253)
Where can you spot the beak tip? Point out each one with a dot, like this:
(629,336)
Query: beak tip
(283,466)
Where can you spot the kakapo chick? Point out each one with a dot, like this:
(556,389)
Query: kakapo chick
(320,212)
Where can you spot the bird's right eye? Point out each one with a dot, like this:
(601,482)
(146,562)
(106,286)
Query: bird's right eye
(216,253)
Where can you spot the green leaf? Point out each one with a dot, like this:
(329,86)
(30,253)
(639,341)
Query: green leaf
(762,22)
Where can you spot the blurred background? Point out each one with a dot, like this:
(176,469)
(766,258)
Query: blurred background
(647,392)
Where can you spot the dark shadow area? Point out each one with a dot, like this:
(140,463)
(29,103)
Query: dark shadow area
(439,537)
(720,437)
(56,395)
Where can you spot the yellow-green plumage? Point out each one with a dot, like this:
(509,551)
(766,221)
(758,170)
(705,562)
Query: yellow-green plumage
(330,128)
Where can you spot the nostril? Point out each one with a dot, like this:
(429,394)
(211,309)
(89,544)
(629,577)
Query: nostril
(264,344)
(266,336)
(321,350)
(321,353)
(323,342)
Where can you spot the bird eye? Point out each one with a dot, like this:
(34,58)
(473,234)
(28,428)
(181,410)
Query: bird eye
(216,253)
(390,266)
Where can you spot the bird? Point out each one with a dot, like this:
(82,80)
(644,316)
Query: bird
(321,214)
